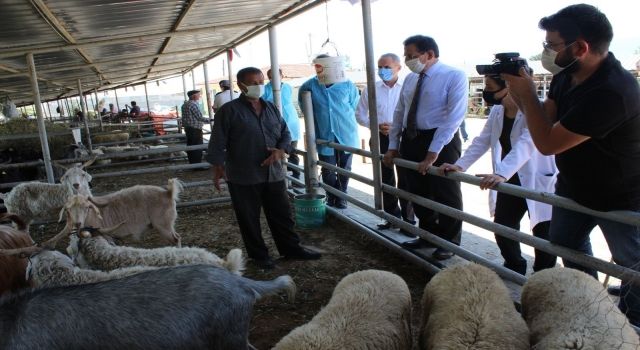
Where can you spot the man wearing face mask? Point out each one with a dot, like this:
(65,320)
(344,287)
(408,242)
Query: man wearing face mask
(247,146)
(591,122)
(431,107)
(334,105)
(387,94)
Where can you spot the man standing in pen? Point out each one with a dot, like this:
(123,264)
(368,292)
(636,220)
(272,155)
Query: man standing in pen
(387,94)
(432,105)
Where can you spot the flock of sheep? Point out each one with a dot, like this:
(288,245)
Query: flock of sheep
(104,296)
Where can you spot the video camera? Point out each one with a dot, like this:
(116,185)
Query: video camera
(505,62)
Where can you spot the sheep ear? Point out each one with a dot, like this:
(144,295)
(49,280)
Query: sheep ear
(106,231)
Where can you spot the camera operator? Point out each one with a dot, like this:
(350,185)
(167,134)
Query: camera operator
(515,161)
(591,122)
(432,104)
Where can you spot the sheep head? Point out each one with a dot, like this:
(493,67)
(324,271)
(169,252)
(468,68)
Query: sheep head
(76,211)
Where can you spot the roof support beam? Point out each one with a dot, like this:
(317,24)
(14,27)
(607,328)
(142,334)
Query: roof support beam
(52,20)
(126,39)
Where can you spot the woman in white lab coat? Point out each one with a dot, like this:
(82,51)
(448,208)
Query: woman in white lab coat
(516,161)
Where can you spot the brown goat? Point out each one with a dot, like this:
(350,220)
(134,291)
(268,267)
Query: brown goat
(13,267)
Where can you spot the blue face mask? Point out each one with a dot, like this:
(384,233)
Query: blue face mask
(385,74)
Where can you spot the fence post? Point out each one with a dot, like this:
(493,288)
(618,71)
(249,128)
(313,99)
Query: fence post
(311,160)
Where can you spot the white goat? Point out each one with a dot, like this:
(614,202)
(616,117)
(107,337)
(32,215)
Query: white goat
(50,268)
(133,210)
(368,310)
(469,307)
(37,200)
(99,253)
(568,309)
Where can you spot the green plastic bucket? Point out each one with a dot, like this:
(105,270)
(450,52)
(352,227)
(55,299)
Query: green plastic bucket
(310,210)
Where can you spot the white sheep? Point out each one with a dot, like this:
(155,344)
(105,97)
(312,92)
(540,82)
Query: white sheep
(133,210)
(368,310)
(50,268)
(469,307)
(95,251)
(568,309)
(37,200)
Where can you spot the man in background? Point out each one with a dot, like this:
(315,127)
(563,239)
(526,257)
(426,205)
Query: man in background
(192,120)
(223,96)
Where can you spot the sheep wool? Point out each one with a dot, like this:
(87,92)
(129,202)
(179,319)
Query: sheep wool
(368,310)
(469,307)
(568,309)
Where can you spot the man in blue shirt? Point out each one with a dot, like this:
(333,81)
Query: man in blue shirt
(334,107)
(290,116)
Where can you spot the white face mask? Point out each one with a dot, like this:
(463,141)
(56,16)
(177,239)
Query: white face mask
(415,65)
(254,91)
(548,61)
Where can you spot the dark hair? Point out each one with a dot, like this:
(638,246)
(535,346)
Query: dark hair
(423,44)
(581,21)
(244,72)
(323,55)
(133,103)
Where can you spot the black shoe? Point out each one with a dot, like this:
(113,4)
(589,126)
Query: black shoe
(266,264)
(413,243)
(340,203)
(442,254)
(385,225)
(304,254)
(614,290)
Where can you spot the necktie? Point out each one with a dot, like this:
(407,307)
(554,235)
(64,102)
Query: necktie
(412,118)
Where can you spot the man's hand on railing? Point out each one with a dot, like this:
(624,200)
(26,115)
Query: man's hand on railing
(387,160)
(426,163)
(490,180)
(446,167)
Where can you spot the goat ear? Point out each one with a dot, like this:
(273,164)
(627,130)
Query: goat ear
(88,163)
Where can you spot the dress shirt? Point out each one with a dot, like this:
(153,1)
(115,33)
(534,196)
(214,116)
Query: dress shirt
(443,105)
(386,100)
(334,110)
(191,115)
(288,109)
(222,98)
(240,139)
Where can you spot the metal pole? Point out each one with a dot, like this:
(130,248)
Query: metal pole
(146,96)
(275,68)
(193,78)
(115,92)
(66,103)
(207,90)
(86,116)
(373,110)
(49,109)
(184,87)
(229,53)
(41,127)
(311,160)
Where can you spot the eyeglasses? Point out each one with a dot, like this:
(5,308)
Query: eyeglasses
(549,45)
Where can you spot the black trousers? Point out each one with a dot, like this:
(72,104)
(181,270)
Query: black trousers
(194,137)
(247,201)
(389,201)
(294,159)
(509,211)
(441,190)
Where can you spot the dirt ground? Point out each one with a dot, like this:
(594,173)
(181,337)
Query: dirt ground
(214,227)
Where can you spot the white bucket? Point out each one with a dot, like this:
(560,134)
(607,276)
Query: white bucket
(332,70)
(76,135)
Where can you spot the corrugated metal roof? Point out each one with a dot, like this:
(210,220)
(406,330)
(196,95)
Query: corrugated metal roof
(109,43)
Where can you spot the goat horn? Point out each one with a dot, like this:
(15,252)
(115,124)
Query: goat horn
(89,162)
(28,251)
(60,165)
(51,243)
(106,231)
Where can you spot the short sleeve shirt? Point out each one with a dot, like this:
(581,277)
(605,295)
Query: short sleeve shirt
(602,173)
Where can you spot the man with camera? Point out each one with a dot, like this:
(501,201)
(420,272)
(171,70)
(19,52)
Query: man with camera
(591,122)
(432,104)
